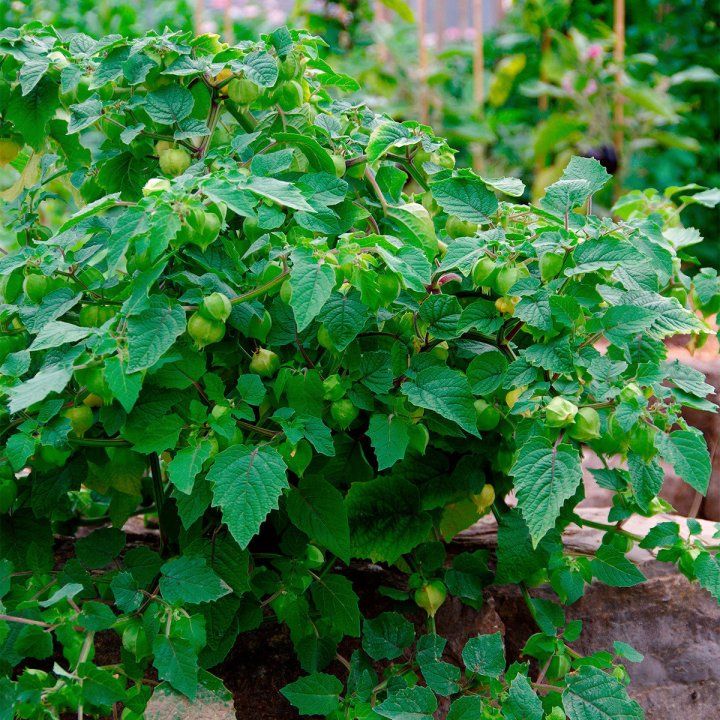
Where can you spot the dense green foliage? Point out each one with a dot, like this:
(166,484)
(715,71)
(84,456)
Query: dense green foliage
(290,331)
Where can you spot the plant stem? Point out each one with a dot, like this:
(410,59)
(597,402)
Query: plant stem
(159,494)
(582,522)
(370,176)
(410,169)
(24,621)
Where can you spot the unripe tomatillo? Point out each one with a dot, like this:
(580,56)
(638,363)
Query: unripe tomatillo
(560,412)
(482,270)
(216,306)
(343,412)
(586,425)
(431,596)
(205,331)
(264,362)
(174,161)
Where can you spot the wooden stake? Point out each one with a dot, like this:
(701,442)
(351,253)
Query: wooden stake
(228,30)
(440,26)
(479,63)
(381,18)
(464,21)
(424,108)
(479,78)
(199,16)
(619,57)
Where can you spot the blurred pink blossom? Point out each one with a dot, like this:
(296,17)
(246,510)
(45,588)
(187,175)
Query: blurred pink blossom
(591,87)
(458,34)
(594,52)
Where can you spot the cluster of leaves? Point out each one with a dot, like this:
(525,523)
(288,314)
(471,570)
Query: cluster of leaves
(112,16)
(552,50)
(288,330)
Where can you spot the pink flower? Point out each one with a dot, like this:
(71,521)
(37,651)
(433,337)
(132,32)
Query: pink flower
(591,87)
(594,52)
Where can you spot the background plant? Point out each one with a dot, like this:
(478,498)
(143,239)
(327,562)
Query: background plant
(291,332)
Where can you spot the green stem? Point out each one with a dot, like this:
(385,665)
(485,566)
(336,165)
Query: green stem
(159,494)
(582,522)
(370,176)
(411,170)
(99,442)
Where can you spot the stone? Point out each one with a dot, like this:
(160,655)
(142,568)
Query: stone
(674,623)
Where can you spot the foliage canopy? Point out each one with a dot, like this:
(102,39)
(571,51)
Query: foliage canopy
(291,330)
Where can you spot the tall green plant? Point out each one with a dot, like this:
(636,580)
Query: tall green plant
(291,332)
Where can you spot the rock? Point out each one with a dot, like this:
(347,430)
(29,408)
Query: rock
(674,623)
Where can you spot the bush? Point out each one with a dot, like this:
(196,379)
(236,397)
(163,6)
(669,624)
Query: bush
(233,306)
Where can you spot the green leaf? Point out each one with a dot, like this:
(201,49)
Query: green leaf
(588,169)
(442,313)
(153,331)
(247,483)
(312,283)
(415,703)
(591,694)
(468,707)
(707,571)
(441,677)
(687,452)
(176,662)
(189,580)
(278,191)
(646,479)
(48,380)
(602,254)
(150,428)
(411,264)
(385,519)
(84,114)
(312,149)
(387,636)
(611,567)
(344,316)
(260,67)
(317,508)
(124,386)
(413,224)
(446,392)
(522,703)
(546,475)
(187,463)
(508,185)
(462,254)
(389,437)
(486,372)
(336,600)
(485,655)
(465,197)
(169,104)
(628,652)
(383,137)
(31,113)
(565,195)
(316,694)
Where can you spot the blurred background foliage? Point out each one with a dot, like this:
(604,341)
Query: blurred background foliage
(550,86)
